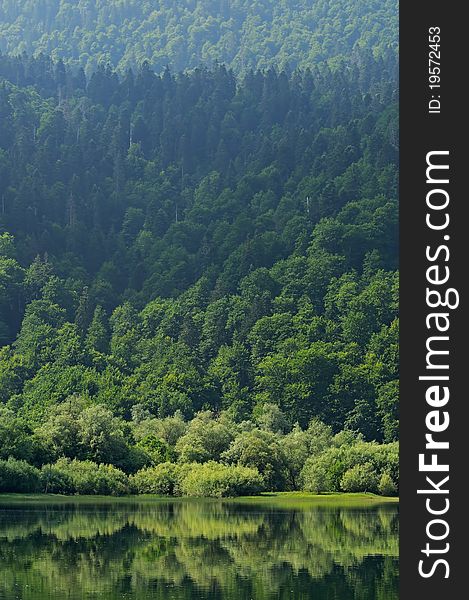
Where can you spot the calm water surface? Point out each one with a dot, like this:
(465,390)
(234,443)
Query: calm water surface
(186,549)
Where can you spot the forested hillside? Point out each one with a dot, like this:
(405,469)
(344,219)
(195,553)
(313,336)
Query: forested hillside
(198,265)
(185,33)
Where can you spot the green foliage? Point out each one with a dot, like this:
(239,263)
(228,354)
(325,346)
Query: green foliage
(386,485)
(57,479)
(195,267)
(387,402)
(299,445)
(61,431)
(206,438)
(260,450)
(158,450)
(97,337)
(169,429)
(7,246)
(11,283)
(271,418)
(18,476)
(84,477)
(75,430)
(356,467)
(360,478)
(161,480)
(232,458)
(242,34)
(219,481)
(15,436)
(101,435)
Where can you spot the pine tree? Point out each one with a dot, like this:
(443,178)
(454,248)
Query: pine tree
(83,312)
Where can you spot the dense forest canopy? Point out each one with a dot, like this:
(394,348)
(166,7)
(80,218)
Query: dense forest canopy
(187,33)
(198,268)
(188,242)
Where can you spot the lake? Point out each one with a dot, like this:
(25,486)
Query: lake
(142,549)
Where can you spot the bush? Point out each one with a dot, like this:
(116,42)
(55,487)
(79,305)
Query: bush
(84,477)
(161,480)
(327,472)
(315,477)
(17,476)
(386,485)
(323,473)
(360,478)
(215,480)
(55,480)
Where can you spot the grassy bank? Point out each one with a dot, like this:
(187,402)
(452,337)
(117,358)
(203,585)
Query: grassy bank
(303,499)
(275,499)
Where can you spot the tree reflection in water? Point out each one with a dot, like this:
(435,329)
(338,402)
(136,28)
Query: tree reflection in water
(197,549)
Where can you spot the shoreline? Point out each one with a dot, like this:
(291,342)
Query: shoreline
(292,499)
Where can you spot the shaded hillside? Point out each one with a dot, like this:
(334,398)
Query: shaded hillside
(181,242)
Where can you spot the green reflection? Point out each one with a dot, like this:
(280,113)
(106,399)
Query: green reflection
(197,549)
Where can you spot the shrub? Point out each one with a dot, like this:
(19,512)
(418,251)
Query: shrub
(323,473)
(326,472)
(18,476)
(112,481)
(315,477)
(360,478)
(386,485)
(84,477)
(213,479)
(161,480)
(55,480)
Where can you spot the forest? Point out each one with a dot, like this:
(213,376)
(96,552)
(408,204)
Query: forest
(198,271)
(184,34)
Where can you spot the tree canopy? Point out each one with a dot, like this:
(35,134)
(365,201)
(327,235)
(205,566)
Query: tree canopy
(185,34)
(199,267)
